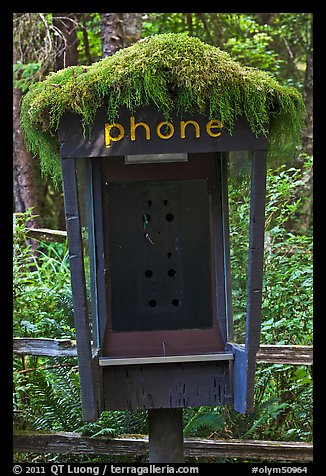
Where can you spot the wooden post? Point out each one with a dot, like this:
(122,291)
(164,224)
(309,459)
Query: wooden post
(255,269)
(87,364)
(165,435)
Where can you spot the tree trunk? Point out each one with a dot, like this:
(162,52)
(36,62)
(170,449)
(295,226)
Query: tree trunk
(264,18)
(305,192)
(67,40)
(67,55)
(132,26)
(307,137)
(24,187)
(111,33)
(88,54)
(119,30)
(217,29)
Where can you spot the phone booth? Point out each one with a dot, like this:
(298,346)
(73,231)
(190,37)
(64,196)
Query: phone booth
(144,156)
(146,203)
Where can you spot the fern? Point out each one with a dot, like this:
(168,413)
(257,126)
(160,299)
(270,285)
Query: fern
(115,423)
(264,414)
(204,422)
(53,398)
(64,302)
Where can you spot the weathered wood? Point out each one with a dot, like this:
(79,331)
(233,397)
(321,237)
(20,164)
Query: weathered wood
(46,367)
(102,291)
(169,385)
(179,224)
(226,246)
(219,259)
(178,341)
(255,269)
(45,347)
(285,354)
(74,144)
(271,354)
(165,434)
(245,360)
(74,443)
(44,234)
(87,365)
(252,449)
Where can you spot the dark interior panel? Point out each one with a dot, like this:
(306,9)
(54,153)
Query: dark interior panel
(159,247)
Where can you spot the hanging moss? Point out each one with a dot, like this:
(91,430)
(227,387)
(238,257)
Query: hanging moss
(199,75)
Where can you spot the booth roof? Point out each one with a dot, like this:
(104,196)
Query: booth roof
(173,72)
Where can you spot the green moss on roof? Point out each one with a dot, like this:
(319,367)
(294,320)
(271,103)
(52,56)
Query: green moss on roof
(199,75)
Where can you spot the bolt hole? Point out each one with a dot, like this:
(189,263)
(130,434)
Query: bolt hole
(152,303)
(169,255)
(165,202)
(171,272)
(148,273)
(169,217)
(149,203)
(175,302)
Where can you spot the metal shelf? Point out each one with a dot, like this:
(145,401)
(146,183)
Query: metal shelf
(105,361)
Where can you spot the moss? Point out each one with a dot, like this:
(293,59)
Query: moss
(173,71)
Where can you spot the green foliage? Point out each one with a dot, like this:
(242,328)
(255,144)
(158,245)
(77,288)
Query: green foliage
(206,26)
(279,45)
(89,38)
(290,387)
(250,43)
(46,390)
(282,410)
(203,421)
(42,300)
(287,286)
(47,397)
(283,394)
(292,36)
(25,75)
(200,76)
(116,423)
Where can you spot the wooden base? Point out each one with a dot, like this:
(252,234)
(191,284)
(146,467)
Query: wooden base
(165,436)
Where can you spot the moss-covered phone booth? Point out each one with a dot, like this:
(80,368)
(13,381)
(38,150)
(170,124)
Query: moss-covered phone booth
(147,220)
(145,137)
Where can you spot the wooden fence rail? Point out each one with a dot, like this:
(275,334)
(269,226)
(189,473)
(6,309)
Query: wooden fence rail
(280,354)
(74,443)
(45,347)
(44,234)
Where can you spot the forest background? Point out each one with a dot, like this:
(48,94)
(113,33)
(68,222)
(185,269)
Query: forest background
(46,392)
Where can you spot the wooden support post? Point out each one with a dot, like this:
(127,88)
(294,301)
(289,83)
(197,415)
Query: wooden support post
(165,435)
